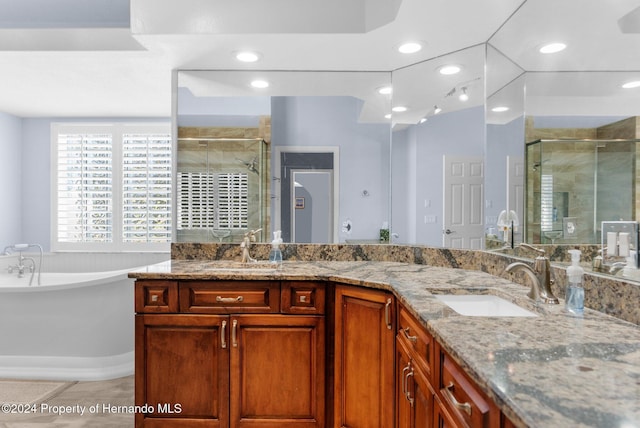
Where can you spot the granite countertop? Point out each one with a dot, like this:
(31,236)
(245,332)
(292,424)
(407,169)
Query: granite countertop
(553,370)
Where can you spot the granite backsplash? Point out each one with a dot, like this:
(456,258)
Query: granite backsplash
(614,296)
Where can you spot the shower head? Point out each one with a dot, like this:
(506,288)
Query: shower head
(251,166)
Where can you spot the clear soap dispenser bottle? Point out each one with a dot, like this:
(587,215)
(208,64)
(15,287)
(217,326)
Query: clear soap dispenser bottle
(275,255)
(574,299)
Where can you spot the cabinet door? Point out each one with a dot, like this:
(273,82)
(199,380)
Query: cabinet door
(277,371)
(364,351)
(414,397)
(182,371)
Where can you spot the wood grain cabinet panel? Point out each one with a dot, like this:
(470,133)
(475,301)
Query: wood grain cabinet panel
(156,296)
(181,371)
(277,371)
(229,297)
(195,369)
(462,398)
(364,354)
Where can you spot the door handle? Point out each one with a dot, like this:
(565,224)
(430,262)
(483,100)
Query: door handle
(449,232)
(234,333)
(223,335)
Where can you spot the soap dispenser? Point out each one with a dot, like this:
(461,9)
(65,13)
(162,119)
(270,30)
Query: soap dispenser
(574,298)
(275,256)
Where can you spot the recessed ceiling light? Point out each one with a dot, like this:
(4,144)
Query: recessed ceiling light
(500,109)
(410,47)
(385,90)
(631,85)
(399,109)
(450,69)
(260,84)
(552,48)
(387,116)
(247,56)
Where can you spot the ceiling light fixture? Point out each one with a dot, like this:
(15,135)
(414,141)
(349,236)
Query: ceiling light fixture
(631,85)
(399,109)
(436,109)
(385,90)
(387,116)
(499,109)
(464,96)
(410,47)
(423,120)
(247,56)
(448,70)
(554,47)
(260,84)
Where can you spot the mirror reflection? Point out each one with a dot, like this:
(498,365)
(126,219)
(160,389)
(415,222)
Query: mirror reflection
(285,146)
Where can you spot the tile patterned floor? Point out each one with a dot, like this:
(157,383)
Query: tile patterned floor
(99,396)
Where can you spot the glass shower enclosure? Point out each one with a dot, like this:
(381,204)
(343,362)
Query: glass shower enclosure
(572,186)
(222,189)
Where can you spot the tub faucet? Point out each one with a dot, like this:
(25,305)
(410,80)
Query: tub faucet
(249,237)
(539,275)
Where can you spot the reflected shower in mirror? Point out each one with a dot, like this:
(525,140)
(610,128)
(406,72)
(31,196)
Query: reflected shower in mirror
(341,114)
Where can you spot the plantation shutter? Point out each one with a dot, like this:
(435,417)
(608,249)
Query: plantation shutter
(146,188)
(85,188)
(215,201)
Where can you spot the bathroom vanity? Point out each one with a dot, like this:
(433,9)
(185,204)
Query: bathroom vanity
(350,344)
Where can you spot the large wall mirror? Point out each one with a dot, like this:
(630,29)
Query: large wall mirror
(397,161)
(306,153)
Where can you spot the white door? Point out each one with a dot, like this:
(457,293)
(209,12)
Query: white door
(463,225)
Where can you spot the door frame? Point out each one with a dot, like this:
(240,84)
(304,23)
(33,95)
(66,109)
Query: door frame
(277,192)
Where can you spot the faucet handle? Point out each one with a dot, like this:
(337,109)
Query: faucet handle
(540,251)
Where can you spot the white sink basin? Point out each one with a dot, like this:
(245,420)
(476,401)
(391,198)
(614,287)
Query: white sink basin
(483,305)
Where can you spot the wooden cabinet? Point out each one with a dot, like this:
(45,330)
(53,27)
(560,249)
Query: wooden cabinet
(217,363)
(461,398)
(414,395)
(277,371)
(363,361)
(414,367)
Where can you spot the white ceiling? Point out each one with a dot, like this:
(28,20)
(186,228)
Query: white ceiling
(77,62)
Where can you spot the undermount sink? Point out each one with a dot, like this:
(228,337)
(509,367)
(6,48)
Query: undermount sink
(483,305)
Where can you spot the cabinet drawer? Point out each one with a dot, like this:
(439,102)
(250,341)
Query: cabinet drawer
(303,297)
(464,400)
(221,297)
(417,340)
(156,296)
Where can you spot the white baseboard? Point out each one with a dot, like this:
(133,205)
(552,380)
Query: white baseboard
(66,368)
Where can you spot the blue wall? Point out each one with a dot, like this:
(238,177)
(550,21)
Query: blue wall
(10,179)
(422,147)
(364,154)
(25,159)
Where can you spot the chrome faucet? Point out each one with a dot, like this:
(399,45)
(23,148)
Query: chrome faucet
(21,259)
(249,237)
(540,276)
(617,267)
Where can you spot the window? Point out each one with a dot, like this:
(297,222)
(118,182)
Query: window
(111,187)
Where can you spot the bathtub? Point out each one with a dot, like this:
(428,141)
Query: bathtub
(74,326)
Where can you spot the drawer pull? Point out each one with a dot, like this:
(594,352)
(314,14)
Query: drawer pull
(223,335)
(404,378)
(234,333)
(465,407)
(221,299)
(408,393)
(387,314)
(413,339)
(154,298)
